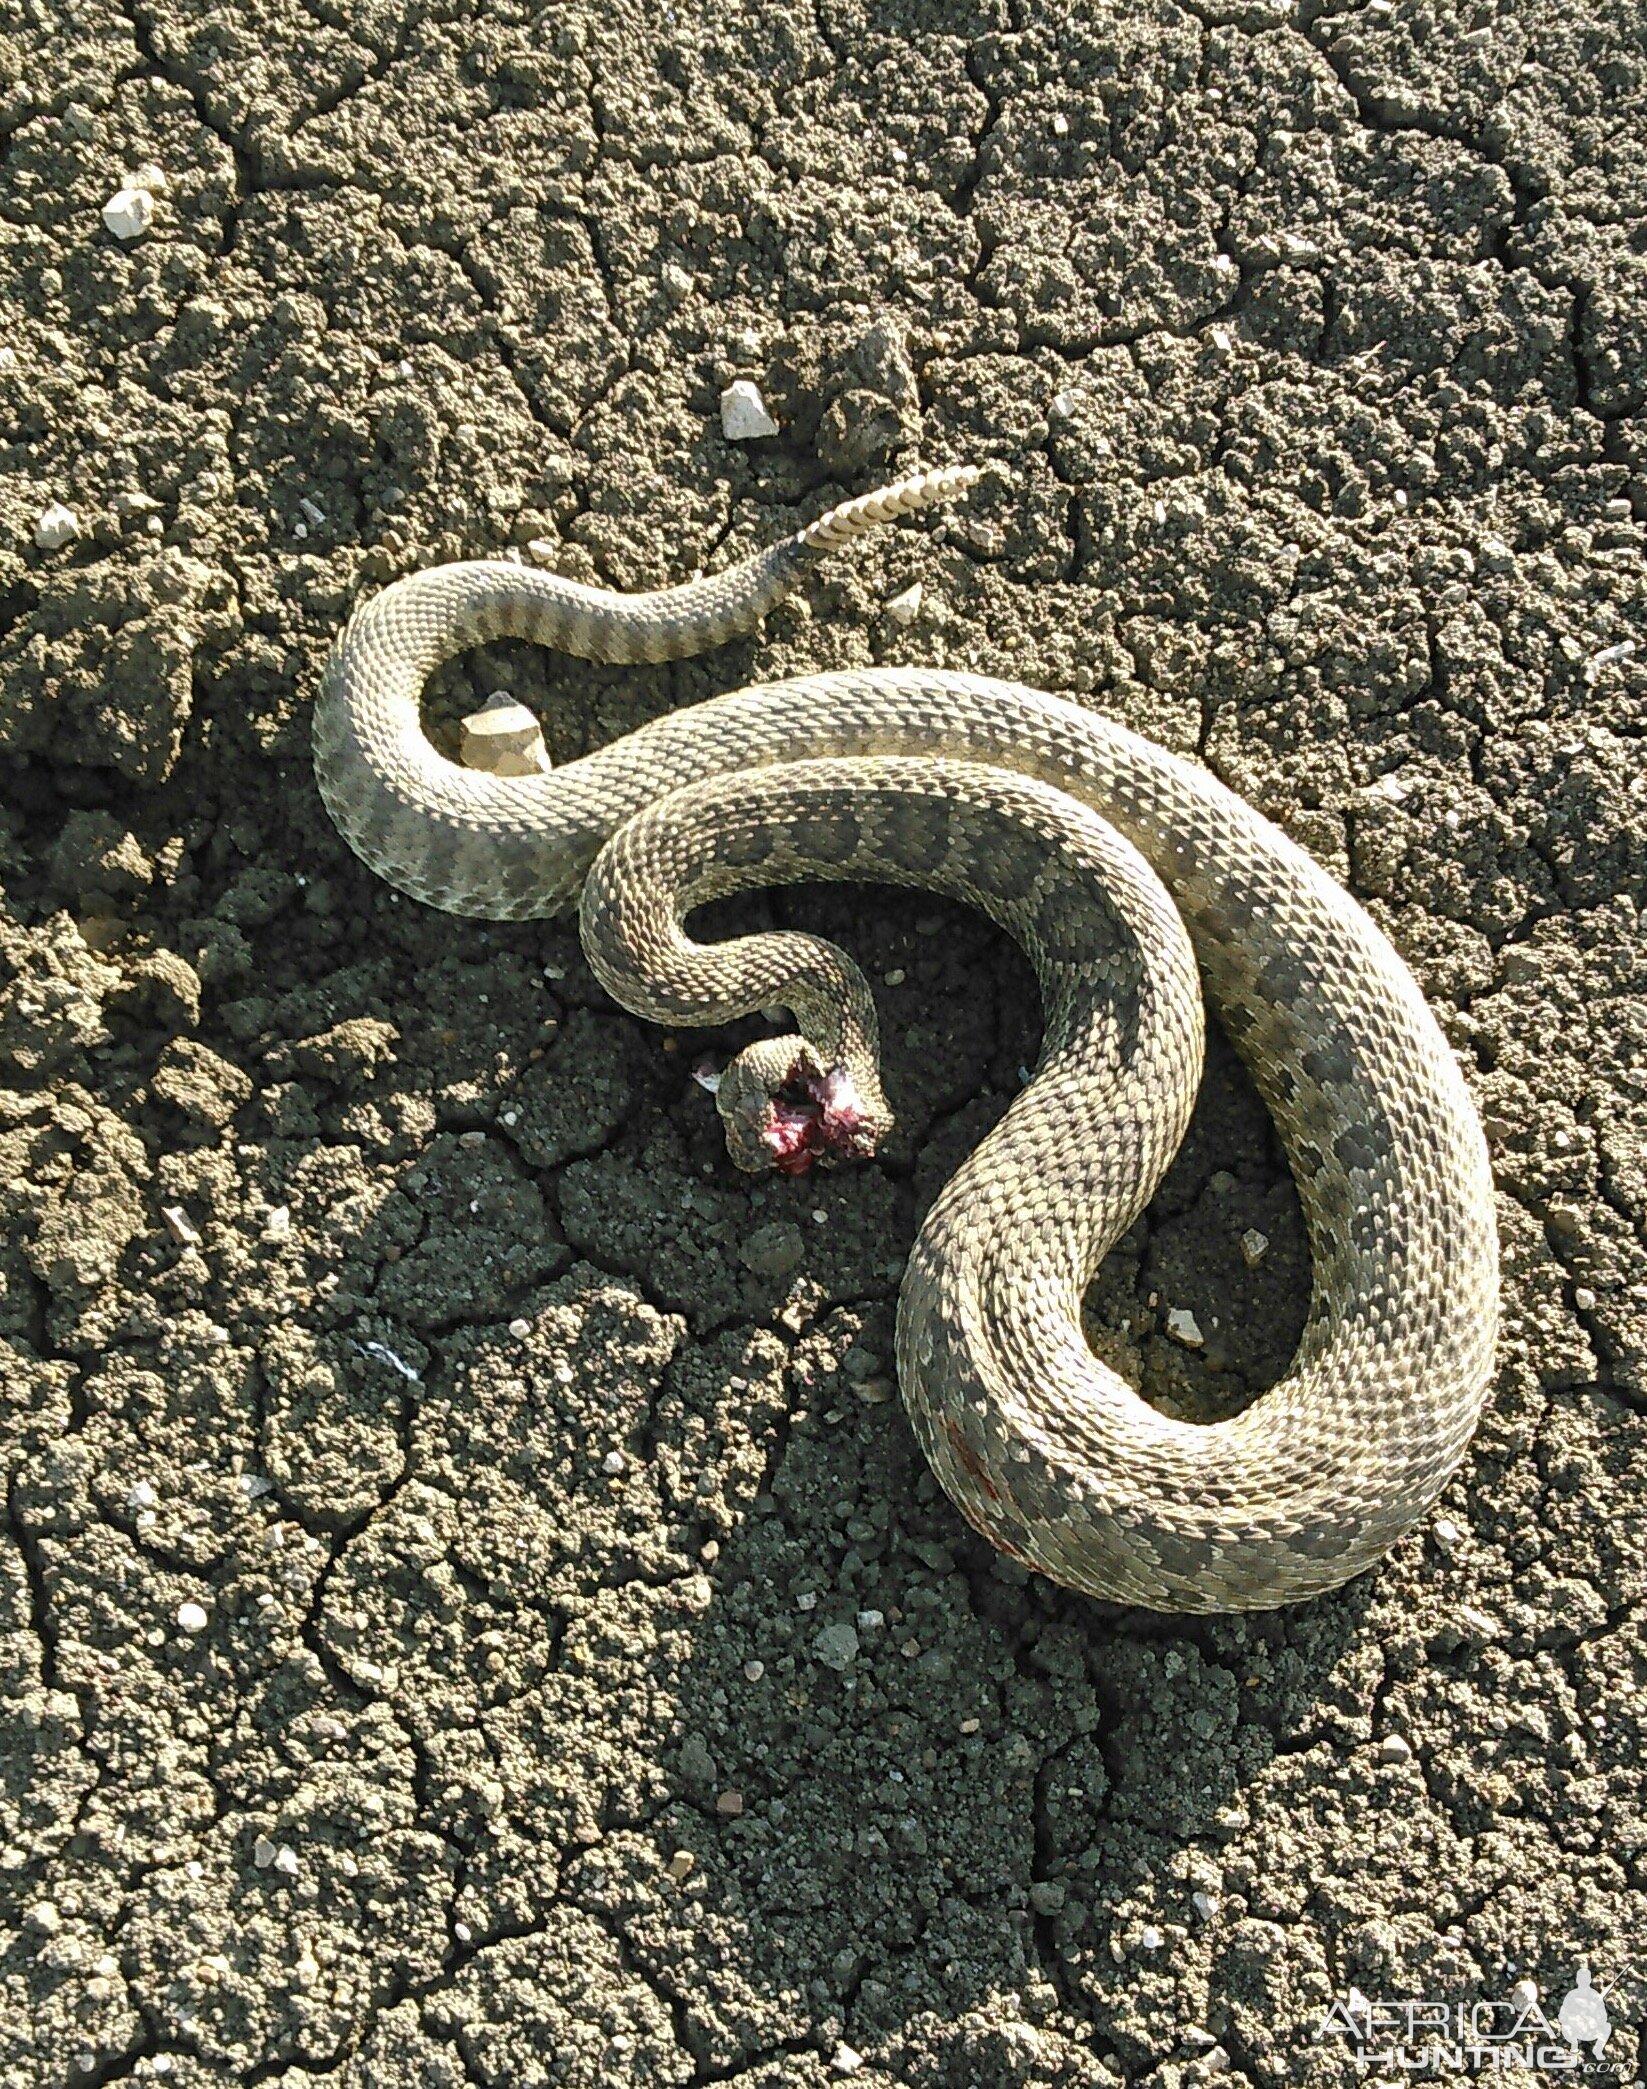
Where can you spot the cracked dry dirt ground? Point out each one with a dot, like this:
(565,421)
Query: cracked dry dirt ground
(526,1467)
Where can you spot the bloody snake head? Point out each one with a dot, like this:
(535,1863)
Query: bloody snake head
(784,1109)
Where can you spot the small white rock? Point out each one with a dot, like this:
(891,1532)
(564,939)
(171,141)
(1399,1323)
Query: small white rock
(1254,1247)
(1393,1749)
(520,1329)
(744,417)
(142,1496)
(1205,1905)
(277,1222)
(129,212)
(286,1860)
(1584,1299)
(57,526)
(1183,1327)
(613,1463)
(263,1853)
(1524,1994)
(847,2059)
(677,281)
(1446,1533)
(504,739)
(192,1618)
(1152,1939)
(904,608)
(179,1225)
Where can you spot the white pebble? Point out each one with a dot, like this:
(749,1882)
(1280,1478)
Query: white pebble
(277,1222)
(1254,1247)
(896,976)
(612,1463)
(1446,1533)
(254,1486)
(192,1617)
(504,738)
(1584,1298)
(1524,1994)
(142,1496)
(754,1670)
(1205,1905)
(129,212)
(263,1853)
(677,281)
(179,1225)
(847,2059)
(520,1329)
(286,1860)
(1183,1327)
(808,1601)
(744,417)
(57,526)
(1152,1939)
(1393,1749)
(905,607)
(871,1620)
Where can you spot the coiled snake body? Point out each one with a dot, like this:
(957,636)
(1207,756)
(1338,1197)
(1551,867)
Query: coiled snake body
(1065,827)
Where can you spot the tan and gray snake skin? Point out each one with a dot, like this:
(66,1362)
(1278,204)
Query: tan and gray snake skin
(1065,828)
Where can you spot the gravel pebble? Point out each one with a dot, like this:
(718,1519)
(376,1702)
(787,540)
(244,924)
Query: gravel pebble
(56,527)
(1183,1326)
(744,417)
(836,1646)
(129,213)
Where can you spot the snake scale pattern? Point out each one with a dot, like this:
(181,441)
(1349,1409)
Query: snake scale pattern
(1124,871)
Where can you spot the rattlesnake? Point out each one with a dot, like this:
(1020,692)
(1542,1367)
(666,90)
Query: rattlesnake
(1064,826)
